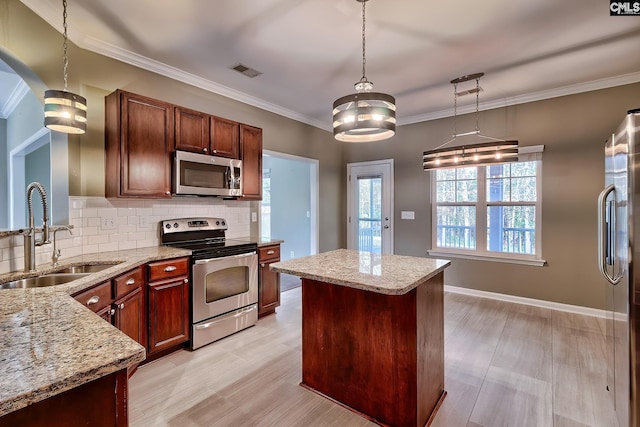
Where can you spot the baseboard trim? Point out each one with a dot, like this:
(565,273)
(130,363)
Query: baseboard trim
(586,311)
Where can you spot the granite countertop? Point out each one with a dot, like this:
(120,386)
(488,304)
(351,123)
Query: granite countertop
(267,242)
(385,274)
(51,343)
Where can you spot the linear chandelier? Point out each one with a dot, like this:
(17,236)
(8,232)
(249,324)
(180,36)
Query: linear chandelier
(65,111)
(364,116)
(476,154)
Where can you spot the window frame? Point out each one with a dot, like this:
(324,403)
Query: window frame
(481,252)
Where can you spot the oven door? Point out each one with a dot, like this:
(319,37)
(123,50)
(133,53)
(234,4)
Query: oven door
(221,285)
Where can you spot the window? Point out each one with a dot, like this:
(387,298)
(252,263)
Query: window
(488,211)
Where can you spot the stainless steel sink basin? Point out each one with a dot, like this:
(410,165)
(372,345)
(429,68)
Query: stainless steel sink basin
(86,268)
(42,281)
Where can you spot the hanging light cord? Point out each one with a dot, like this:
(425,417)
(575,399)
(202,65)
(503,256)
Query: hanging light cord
(478,105)
(364,58)
(64,43)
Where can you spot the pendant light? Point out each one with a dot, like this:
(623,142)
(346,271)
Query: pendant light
(65,111)
(473,153)
(364,116)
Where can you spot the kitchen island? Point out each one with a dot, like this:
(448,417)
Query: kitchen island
(373,332)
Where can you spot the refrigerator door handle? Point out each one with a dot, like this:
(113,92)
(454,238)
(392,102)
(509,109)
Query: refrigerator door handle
(606,237)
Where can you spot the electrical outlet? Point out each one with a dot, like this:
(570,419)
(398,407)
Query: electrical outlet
(254,216)
(108,223)
(143,222)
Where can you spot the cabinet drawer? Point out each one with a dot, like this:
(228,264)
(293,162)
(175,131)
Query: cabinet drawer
(128,282)
(97,297)
(169,268)
(268,252)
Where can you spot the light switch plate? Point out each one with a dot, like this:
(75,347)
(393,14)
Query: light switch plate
(254,216)
(407,215)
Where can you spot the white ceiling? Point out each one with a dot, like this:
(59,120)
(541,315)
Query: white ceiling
(309,51)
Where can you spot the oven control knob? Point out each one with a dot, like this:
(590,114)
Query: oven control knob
(224,223)
(217,222)
(168,226)
(175,225)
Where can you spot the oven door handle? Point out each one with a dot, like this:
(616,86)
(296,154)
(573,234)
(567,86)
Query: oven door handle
(204,261)
(240,313)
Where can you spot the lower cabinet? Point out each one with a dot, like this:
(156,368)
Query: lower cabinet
(148,303)
(101,402)
(130,317)
(168,314)
(168,297)
(268,281)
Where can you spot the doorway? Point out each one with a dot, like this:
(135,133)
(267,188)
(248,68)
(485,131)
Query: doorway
(370,206)
(289,207)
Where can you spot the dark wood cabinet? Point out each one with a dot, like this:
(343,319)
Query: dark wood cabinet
(251,156)
(224,137)
(101,402)
(130,317)
(121,302)
(139,134)
(168,296)
(203,133)
(268,281)
(192,130)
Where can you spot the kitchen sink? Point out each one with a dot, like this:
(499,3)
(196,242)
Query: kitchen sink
(86,268)
(42,281)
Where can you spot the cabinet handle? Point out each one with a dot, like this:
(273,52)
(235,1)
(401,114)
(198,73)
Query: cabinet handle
(93,300)
(167,192)
(186,280)
(215,151)
(262,265)
(170,268)
(121,306)
(112,311)
(131,282)
(271,252)
(205,150)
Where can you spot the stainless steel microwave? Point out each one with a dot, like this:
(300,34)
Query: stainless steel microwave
(203,175)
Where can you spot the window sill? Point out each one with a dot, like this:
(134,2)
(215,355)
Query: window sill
(484,257)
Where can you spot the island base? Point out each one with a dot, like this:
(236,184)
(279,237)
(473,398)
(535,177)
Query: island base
(380,355)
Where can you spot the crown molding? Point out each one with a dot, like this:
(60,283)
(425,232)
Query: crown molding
(52,14)
(19,91)
(622,80)
(123,55)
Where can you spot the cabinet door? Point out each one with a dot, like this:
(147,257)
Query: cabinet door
(269,289)
(168,314)
(251,148)
(139,142)
(192,130)
(130,316)
(224,137)
(107,313)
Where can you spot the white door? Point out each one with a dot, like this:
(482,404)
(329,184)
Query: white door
(370,206)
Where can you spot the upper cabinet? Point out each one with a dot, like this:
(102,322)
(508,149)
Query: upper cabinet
(203,133)
(142,134)
(251,149)
(139,142)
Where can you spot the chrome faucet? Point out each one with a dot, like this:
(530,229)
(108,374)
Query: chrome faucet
(30,242)
(55,256)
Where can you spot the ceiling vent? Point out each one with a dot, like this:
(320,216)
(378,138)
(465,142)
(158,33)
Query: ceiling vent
(247,71)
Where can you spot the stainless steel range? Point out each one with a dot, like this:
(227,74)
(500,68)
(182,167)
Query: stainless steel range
(224,277)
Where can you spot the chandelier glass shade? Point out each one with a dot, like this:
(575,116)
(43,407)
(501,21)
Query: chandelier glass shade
(473,152)
(65,111)
(364,116)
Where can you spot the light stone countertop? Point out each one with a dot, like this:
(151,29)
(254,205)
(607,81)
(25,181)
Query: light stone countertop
(384,274)
(50,343)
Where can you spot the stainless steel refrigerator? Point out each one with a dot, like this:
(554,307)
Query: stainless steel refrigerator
(618,246)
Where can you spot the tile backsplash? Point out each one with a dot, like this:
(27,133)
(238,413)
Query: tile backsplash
(101,224)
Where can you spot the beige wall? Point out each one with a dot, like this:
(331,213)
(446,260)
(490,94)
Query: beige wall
(573,130)
(39,46)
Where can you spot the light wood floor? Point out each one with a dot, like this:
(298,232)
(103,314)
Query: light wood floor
(506,365)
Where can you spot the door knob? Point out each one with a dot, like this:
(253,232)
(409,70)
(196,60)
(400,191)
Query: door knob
(386,226)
